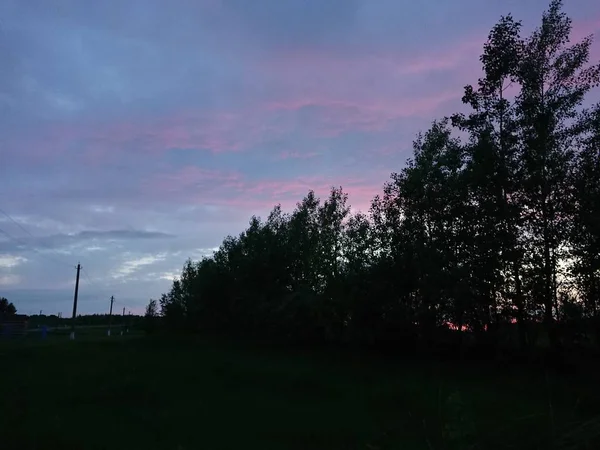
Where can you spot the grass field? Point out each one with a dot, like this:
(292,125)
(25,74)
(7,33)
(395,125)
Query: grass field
(148,393)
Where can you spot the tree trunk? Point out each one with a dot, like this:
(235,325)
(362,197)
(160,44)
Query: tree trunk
(521,313)
(549,323)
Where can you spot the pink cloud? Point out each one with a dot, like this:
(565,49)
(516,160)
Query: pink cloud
(362,93)
(369,92)
(333,117)
(321,64)
(185,129)
(268,193)
(234,131)
(462,57)
(318,93)
(196,186)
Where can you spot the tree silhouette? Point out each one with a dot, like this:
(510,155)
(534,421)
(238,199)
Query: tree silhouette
(151,309)
(554,79)
(498,227)
(6,308)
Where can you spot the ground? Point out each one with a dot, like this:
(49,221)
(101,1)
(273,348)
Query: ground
(135,392)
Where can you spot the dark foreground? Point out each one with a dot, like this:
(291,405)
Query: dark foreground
(143,393)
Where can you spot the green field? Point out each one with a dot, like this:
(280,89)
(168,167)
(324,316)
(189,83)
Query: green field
(145,393)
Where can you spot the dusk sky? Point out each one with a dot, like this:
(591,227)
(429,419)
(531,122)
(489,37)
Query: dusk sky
(137,133)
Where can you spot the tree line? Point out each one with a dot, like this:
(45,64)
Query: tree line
(117,320)
(8,311)
(492,229)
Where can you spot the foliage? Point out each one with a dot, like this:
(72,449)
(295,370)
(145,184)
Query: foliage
(151,316)
(6,308)
(151,309)
(494,234)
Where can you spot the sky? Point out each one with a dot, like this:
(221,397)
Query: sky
(136,134)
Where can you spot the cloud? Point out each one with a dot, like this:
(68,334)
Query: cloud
(191,178)
(195,187)
(8,264)
(10,261)
(121,235)
(65,242)
(9,279)
(316,113)
(168,276)
(315,90)
(134,264)
(136,134)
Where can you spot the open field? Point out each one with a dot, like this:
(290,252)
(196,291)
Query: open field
(136,392)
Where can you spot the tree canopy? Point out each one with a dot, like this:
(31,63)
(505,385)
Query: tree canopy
(6,308)
(494,231)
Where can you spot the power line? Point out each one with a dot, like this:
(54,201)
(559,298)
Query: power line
(87,276)
(16,223)
(24,244)
(34,237)
(11,237)
(98,295)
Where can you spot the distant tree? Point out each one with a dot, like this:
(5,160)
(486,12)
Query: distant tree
(7,308)
(151,309)
(151,316)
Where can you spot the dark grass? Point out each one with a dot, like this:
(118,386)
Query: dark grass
(152,393)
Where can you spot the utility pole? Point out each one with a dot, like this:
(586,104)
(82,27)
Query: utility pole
(112,300)
(75,302)
(122,326)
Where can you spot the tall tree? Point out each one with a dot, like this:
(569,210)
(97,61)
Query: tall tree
(493,173)
(332,216)
(428,197)
(555,78)
(585,227)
